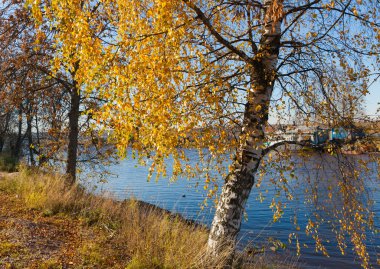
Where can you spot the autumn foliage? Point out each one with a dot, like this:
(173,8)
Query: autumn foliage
(157,77)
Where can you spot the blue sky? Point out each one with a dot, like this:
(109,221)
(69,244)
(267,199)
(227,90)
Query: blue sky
(373,98)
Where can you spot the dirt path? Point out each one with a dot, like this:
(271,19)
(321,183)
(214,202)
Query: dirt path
(30,240)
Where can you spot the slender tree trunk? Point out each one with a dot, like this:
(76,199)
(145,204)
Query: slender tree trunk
(2,141)
(29,134)
(41,157)
(235,192)
(30,138)
(4,131)
(16,149)
(72,150)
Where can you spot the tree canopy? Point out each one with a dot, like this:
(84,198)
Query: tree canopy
(37,97)
(207,75)
(170,68)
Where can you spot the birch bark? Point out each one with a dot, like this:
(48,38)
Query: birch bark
(235,192)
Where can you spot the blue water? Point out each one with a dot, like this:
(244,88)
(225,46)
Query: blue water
(185,197)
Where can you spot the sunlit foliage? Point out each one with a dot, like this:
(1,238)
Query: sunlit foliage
(182,74)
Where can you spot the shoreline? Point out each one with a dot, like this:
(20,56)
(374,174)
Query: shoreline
(52,227)
(45,225)
(146,206)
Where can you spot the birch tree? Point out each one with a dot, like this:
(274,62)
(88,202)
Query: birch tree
(207,75)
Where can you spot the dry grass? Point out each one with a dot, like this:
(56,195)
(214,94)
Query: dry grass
(92,231)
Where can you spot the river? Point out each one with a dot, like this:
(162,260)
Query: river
(185,197)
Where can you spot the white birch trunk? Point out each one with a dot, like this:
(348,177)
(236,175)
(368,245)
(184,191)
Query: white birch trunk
(235,192)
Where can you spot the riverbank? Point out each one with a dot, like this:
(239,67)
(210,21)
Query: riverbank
(44,225)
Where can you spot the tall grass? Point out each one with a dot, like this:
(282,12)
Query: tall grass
(151,237)
(136,234)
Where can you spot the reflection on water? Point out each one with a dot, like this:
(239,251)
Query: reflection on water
(318,175)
